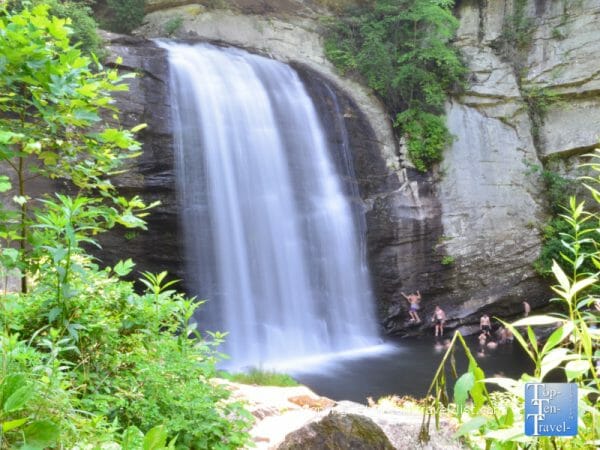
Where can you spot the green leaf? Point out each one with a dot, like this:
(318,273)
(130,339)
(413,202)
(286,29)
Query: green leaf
(552,360)
(506,434)
(11,384)
(582,284)
(41,433)
(18,399)
(575,369)
(461,390)
(474,424)
(561,277)
(155,439)
(558,336)
(532,339)
(132,439)
(12,424)
(5,184)
(123,268)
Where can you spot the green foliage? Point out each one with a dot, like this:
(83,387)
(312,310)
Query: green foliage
(558,230)
(50,125)
(172,25)
(498,422)
(448,260)
(402,49)
(86,361)
(81,17)
(261,378)
(124,15)
(518,28)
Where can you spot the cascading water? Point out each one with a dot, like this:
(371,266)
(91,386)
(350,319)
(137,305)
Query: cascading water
(271,238)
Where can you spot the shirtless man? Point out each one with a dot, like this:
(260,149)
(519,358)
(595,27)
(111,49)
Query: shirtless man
(485,325)
(439,317)
(414,300)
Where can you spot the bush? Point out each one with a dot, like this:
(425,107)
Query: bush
(402,50)
(123,16)
(83,24)
(85,359)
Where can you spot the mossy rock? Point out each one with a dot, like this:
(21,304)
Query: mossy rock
(337,431)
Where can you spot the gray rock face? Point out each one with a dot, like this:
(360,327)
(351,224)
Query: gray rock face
(465,234)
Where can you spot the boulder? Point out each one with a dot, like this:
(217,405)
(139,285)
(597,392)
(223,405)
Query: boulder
(338,431)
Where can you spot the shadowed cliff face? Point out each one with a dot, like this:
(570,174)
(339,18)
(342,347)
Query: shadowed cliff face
(151,175)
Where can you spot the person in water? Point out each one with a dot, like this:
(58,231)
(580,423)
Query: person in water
(414,300)
(485,325)
(439,317)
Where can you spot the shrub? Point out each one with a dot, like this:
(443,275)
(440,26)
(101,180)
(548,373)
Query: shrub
(402,49)
(85,359)
(124,15)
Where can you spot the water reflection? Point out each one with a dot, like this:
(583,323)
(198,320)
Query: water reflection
(406,367)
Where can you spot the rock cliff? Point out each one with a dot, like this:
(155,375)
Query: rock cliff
(465,234)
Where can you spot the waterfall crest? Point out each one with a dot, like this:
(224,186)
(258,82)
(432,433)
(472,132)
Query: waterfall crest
(271,238)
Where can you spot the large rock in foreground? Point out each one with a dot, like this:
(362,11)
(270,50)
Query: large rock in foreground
(338,431)
(296,418)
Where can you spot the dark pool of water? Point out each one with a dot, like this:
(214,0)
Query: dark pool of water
(402,367)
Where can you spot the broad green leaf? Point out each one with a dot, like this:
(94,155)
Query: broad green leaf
(506,434)
(8,137)
(123,268)
(558,336)
(18,399)
(575,369)
(155,439)
(5,184)
(10,255)
(12,424)
(582,284)
(461,390)
(562,279)
(552,360)
(509,417)
(132,439)
(41,433)
(474,424)
(11,384)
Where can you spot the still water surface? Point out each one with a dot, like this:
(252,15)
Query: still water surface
(401,367)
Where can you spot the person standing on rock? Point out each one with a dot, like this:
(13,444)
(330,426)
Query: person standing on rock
(414,300)
(439,318)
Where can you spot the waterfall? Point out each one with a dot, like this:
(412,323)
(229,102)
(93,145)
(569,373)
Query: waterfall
(272,240)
